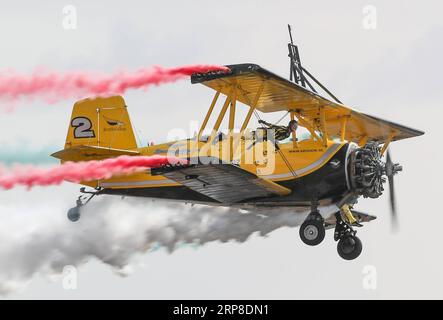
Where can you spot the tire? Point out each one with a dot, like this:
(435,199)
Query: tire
(312,232)
(74,214)
(349,247)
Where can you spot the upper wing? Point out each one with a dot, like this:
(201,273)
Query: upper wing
(270,92)
(225,183)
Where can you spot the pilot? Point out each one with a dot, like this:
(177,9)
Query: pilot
(281,132)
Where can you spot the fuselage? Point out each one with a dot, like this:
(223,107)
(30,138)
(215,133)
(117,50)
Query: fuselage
(308,168)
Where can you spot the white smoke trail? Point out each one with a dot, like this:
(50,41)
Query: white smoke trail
(40,240)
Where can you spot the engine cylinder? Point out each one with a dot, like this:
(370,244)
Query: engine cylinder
(366,170)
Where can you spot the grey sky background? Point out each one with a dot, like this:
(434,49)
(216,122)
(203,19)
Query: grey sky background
(392,72)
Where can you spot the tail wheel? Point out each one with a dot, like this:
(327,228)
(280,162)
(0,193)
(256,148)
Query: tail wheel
(74,214)
(312,232)
(349,247)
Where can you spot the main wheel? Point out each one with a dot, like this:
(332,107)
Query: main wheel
(312,232)
(74,214)
(349,247)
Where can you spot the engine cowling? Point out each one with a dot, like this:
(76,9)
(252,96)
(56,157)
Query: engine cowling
(367,170)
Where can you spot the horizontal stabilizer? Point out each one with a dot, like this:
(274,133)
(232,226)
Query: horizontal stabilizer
(85,153)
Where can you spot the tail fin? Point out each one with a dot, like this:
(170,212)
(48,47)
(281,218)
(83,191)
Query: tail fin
(100,126)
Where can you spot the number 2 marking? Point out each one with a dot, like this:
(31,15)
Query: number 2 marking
(82,128)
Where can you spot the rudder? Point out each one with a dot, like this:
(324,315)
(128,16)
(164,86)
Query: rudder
(99,128)
(101,122)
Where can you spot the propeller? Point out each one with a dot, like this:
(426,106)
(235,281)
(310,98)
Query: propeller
(391,169)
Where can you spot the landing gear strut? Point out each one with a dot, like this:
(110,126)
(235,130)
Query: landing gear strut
(75,212)
(349,245)
(312,231)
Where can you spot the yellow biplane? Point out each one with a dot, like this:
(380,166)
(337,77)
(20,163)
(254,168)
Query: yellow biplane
(337,160)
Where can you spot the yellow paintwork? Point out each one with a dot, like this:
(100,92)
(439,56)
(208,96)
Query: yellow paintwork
(280,95)
(348,214)
(306,153)
(100,112)
(113,140)
(81,152)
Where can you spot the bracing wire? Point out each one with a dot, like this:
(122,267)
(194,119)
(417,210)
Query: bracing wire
(284,116)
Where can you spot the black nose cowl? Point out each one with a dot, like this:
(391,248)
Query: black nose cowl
(367,171)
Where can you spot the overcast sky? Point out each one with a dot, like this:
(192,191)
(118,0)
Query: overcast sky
(392,71)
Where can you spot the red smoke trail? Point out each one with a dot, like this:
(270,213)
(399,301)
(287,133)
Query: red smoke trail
(82,171)
(54,86)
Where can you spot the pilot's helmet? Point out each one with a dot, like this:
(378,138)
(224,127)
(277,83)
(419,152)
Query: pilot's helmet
(293,124)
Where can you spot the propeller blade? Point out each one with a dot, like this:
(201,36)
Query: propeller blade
(390,172)
(393,203)
(389,164)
